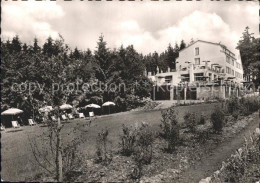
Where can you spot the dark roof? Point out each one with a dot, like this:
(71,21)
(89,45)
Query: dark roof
(217,44)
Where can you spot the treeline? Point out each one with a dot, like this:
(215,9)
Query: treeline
(249,48)
(51,74)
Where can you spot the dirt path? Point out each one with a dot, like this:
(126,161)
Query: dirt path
(213,161)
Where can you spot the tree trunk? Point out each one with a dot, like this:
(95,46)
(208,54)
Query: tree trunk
(59,153)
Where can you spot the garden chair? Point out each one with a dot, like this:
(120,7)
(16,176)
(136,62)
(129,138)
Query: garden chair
(2,128)
(81,115)
(63,117)
(31,122)
(15,124)
(70,116)
(91,115)
(53,118)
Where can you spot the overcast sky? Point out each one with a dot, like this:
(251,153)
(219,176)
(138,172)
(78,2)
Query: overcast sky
(149,26)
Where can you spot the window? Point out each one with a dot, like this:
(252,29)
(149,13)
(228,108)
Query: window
(198,77)
(210,75)
(232,62)
(185,77)
(228,70)
(197,51)
(197,61)
(228,59)
(168,79)
(232,72)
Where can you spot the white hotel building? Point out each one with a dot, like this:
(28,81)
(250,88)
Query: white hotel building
(205,63)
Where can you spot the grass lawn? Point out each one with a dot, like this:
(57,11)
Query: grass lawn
(18,163)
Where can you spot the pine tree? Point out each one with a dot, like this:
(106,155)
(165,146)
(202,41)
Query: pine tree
(48,47)
(249,52)
(102,57)
(170,57)
(16,44)
(182,45)
(76,54)
(25,47)
(36,48)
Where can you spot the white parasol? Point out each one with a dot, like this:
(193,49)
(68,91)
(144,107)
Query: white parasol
(46,109)
(12,111)
(92,106)
(108,104)
(65,106)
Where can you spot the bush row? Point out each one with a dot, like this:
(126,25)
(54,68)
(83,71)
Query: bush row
(235,107)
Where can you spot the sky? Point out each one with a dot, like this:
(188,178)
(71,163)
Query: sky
(148,25)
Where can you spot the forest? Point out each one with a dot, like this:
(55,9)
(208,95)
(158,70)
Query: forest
(53,74)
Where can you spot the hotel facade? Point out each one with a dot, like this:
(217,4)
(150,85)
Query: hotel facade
(204,70)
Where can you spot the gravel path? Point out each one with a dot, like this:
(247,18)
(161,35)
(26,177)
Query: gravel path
(212,161)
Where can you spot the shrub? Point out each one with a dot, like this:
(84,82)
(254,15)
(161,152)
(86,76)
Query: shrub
(251,103)
(72,159)
(143,150)
(245,106)
(133,136)
(235,169)
(244,110)
(232,105)
(170,128)
(202,120)
(144,142)
(128,140)
(133,101)
(253,148)
(190,120)
(102,155)
(202,135)
(141,147)
(142,156)
(236,114)
(217,119)
(150,105)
